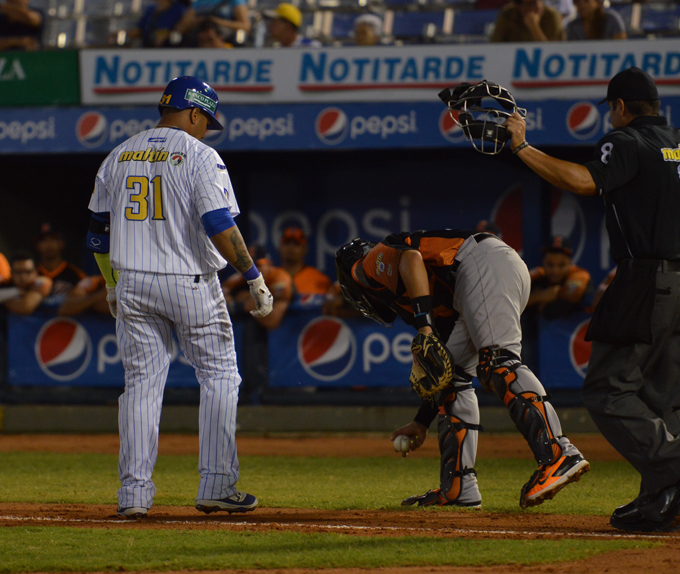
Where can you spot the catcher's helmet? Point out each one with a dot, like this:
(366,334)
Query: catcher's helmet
(482,125)
(346,258)
(189,92)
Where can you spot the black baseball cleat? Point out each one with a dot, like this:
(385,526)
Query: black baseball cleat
(132,512)
(435,497)
(549,479)
(649,514)
(237,502)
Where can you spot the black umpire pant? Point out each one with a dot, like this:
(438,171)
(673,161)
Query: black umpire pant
(633,391)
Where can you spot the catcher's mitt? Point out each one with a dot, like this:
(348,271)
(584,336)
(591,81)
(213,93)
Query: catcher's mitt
(433,369)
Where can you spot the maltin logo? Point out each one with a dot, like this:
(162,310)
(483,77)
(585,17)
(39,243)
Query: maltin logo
(91,129)
(327,348)
(331,126)
(63,349)
(583,120)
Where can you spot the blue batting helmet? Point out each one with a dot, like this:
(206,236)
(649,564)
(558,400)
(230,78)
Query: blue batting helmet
(189,92)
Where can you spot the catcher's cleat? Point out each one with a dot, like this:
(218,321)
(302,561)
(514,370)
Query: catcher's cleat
(435,497)
(132,513)
(549,479)
(237,502)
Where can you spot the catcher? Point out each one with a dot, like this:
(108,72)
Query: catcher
(468,290)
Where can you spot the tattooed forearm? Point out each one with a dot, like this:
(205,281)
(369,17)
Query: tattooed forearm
(242,260)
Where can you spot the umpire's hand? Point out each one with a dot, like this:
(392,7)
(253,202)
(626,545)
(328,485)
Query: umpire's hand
(517,128)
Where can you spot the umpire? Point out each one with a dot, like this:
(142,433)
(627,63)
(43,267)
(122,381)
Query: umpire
(632,389)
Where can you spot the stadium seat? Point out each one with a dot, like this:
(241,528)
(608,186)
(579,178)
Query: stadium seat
(660,19)
(64,8)
(60,33)
(97,31)
(343,25)
(473,22)
(418,24)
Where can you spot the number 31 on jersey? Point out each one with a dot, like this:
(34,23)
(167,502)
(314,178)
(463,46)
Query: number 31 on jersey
(139,185)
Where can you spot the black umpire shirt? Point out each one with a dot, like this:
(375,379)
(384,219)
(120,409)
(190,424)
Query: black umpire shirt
(637,170)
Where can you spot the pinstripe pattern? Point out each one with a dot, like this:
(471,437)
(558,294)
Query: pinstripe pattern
(158,260)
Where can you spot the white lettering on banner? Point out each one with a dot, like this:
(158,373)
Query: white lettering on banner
(400,349)
(543,68)
(385,72)
(26,131)
(12,72)
(385,126)
(260,128)
(121,129)
(113,75)
(328,223)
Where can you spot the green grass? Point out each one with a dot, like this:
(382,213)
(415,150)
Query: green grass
(50,549)
(324,483)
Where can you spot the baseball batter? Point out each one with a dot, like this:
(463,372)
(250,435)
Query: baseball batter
(162,225)
(469,289)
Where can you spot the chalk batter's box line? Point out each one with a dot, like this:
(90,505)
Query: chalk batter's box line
(348,527)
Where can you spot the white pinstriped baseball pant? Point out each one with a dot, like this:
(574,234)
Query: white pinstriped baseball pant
(149,306)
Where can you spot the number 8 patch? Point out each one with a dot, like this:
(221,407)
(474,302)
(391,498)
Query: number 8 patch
(606,152)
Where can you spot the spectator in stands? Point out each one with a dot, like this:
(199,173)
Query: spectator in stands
(284,27)
(564,7)
(88,295)
(595,22)
(5,270)
(528,21)
(368,30)
(210,36)
(156,25)
(278,281)
(559,287)
(32,288)
(293,250)
(50,245)
(21,26)
(230,15)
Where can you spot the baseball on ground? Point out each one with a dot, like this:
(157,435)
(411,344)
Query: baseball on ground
(402,444)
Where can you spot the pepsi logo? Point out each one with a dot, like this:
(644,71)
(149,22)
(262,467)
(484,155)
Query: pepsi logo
(215,137)
(449,128)
(327,349)
(91,129)
(63,349)
(331,126)
(579,348)
(583,120)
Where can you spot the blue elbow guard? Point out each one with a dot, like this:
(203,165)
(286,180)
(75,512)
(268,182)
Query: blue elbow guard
(99,233)
(217,221)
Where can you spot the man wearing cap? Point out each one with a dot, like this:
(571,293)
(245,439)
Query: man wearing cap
(368,29)
(284,27)
(162,225)
(558,287)
(293,250)
(631,389)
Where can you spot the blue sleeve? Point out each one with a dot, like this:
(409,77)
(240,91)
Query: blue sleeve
(217,221)
(99,233)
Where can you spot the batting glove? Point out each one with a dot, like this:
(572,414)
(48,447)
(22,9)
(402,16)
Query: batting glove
(111,300)
(263,298)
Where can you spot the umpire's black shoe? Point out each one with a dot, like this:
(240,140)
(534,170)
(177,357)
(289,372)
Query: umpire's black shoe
(649,515)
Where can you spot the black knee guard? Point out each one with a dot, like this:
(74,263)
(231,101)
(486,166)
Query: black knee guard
(452,435)
(492,375)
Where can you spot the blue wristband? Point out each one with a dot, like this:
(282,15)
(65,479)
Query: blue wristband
(252,273)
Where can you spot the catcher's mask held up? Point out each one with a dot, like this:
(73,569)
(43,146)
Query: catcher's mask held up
(481,110)
(346,259)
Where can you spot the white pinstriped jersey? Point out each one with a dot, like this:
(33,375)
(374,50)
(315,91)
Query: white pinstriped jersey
(157,185)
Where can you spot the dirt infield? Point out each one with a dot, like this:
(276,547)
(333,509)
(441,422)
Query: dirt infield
(468,524)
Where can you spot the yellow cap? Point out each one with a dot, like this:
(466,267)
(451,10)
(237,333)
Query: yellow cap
(289,13)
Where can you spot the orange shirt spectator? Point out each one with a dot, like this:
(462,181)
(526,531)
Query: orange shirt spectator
(49,245)
(558,287)
(5,270)
(88,294)
(293,250)
(32,287)
(277,280)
